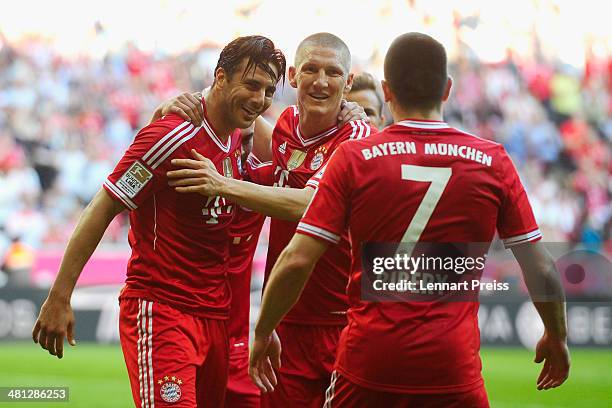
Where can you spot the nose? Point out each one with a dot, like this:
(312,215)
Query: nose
(321,80)
(258,98)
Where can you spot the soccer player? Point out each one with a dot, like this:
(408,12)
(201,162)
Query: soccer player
(174,306)
(303,139)
(418,180)
(244,232)
(365,92)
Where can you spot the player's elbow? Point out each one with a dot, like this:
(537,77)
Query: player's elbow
(297,211)
(295,262)
(300,204)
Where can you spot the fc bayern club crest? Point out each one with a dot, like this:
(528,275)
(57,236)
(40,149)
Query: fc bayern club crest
(317,159)
(170,389)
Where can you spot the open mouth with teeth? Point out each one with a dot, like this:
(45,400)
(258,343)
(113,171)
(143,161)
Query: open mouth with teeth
(319,97)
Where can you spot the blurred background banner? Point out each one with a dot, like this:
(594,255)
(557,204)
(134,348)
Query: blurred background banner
(503,322)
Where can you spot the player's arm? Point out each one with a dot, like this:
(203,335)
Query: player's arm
(56,319)
(546,291)
(189,107)
(287,280)
(201,176)
(262,139)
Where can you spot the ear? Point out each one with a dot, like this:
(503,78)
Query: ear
(292,72)
(220,77)
(447,91)
(387,91)
(349,83)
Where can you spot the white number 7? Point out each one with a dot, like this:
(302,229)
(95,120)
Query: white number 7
(438,176)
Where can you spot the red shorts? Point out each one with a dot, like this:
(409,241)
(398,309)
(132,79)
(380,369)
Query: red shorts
(241,392)
(344,394)
(173,358)
(307,360)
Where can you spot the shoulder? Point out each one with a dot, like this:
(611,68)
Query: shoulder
(357,129)
(168,124)
(290,113)
(286,122)
(480,141)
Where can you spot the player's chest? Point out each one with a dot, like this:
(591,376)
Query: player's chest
(295,164)
(198,210)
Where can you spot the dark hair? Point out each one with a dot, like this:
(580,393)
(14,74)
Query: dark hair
(366,82)
(260,52)
(326,40)
(415,70)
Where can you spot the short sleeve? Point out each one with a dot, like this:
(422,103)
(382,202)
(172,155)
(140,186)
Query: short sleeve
(326,217)
(516,223)
(141,172)
(313,182)
(259,172)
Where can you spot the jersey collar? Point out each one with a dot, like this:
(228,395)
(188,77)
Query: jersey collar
(423,124)
(209,129)
(316,138)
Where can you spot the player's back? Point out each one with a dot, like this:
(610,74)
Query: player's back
(425,182)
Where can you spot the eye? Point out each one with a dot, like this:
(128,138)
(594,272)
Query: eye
(369,112)
(252,86)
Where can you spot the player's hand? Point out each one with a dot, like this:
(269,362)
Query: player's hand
(197,175)
(55,321)
(187,105)
(351,111)
(555,354)
(264,358)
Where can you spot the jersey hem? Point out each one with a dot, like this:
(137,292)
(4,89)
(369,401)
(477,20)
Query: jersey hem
(445,389)
(336,321)
(146,295)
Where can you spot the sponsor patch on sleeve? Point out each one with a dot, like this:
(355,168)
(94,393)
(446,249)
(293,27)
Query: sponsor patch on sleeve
(134,179)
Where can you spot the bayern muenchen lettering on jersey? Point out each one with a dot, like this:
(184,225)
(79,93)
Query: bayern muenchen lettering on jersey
(180,242)
(375,187)
(244,233)
(295,160)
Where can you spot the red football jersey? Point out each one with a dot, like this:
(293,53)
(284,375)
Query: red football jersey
(418,181)
(244,232)
(180,242)
(295,160)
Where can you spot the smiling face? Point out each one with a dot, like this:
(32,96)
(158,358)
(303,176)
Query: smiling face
(370,103)
(320,79)
(246,95)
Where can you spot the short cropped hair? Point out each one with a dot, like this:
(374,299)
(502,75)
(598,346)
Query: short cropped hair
(415,70)
(260,52)
(326,40)
(366,82)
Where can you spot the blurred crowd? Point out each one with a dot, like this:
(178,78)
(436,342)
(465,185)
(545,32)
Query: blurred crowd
(65,123)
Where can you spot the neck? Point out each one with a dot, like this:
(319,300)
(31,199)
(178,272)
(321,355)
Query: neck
(312,124)
(399,113)
(216,113)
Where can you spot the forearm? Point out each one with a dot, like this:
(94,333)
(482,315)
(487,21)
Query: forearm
(87,235)
(287,280)
(553,316)
(283,203)
(545,288)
